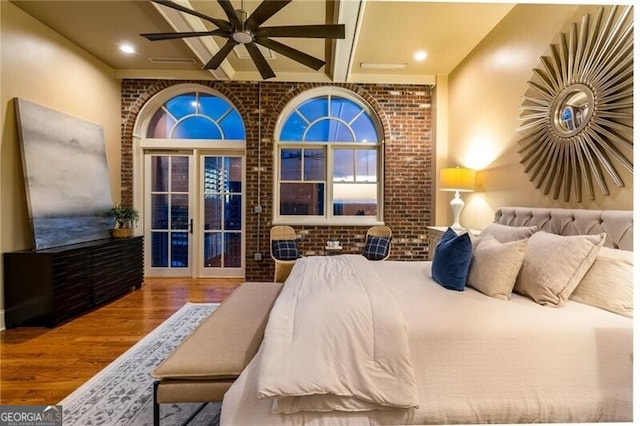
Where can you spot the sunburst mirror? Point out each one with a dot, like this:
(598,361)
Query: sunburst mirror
(577,113)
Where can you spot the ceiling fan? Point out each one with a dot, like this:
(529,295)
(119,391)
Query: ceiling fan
(243,29)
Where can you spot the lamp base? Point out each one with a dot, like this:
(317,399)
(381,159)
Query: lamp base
(456,207)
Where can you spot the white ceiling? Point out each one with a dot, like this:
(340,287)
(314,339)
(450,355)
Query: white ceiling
(377,32)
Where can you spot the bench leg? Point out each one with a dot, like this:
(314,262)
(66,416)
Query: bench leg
(156,406)
(195,413)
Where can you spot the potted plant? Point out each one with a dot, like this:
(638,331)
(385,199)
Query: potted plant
(124,220)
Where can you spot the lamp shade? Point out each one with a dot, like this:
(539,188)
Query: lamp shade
(457,179)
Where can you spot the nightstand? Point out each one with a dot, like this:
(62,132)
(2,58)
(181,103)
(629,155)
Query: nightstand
(433,236)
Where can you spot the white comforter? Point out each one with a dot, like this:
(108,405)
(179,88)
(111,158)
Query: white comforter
(477,360)
(336,340)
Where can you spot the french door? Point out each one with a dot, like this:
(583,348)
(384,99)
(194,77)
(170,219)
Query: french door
(194,214)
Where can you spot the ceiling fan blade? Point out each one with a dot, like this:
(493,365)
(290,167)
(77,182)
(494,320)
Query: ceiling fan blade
(222,24)
(302,31)
(171,36)
(217,59)
(261,63)
(264,11)
(290,52)
(231,13)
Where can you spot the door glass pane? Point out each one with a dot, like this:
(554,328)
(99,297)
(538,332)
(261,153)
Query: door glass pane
(234,173)
(159,174)
(314,164)
(233,212)
(180,211)
(159,211)
(212,212)
(180,174)
(302,198)
(233,249)
(179,249)
(212,249)
(196,128)
(159,249)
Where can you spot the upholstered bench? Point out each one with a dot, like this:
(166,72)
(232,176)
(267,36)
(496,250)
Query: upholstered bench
(206,363)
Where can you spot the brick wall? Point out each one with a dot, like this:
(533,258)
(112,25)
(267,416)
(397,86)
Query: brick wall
(405,113)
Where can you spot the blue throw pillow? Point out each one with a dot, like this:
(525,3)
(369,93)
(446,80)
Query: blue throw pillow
(285,249)
(451,260)
(376,248)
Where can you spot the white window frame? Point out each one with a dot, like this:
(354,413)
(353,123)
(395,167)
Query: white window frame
(328,218)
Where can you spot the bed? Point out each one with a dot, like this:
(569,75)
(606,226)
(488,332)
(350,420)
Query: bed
(353,342)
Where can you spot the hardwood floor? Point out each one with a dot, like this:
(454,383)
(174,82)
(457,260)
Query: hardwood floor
(41,366)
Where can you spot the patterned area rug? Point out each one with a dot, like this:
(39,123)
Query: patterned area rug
(122,393)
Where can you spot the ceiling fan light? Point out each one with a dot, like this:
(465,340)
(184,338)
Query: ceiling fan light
(242,37)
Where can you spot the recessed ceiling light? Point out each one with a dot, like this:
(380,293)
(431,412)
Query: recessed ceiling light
(420,55)
(127,48)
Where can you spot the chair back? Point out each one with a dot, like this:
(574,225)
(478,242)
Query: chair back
(378,252)
(281,232)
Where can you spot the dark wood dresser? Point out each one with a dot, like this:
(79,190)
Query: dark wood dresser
(44,287)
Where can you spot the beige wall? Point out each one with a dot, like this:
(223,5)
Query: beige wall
(41,66)
(485,93)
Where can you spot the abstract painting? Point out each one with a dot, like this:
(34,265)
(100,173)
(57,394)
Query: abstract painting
(66,176)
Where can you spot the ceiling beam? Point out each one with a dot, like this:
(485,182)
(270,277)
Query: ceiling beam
(350,13)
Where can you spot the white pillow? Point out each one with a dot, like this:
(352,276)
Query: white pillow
(609,282)
(554,265)
(495,266)
(504,233)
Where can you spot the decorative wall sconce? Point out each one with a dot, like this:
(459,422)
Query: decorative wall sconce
(577,115)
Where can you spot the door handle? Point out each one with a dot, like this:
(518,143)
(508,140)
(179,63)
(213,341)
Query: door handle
(191,226)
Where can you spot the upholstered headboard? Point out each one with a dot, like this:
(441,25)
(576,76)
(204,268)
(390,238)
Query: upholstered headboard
(617,224)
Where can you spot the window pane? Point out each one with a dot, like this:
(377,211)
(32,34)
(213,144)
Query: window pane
(213,249)
(291,164)
(212,106)
(314,164)
(232,126)
(159,249)
(318,132)
(180,211)
(339,132)
(294,127)
(161,125)
(212,212)
(232,249)
(182,105)
(179,249)
(179,174)
(366,165)
(343,160)
(314,109)
(364,129)
(351,199)
(196,128)
(159,174)
(302,199)
(344,109)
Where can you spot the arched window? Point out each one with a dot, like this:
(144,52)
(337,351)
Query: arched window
(196,115)
(328,160)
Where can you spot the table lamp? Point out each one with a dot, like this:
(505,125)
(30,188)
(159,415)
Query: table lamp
(457,179)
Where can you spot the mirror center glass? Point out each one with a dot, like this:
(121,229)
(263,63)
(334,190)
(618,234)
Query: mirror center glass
(572,109)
